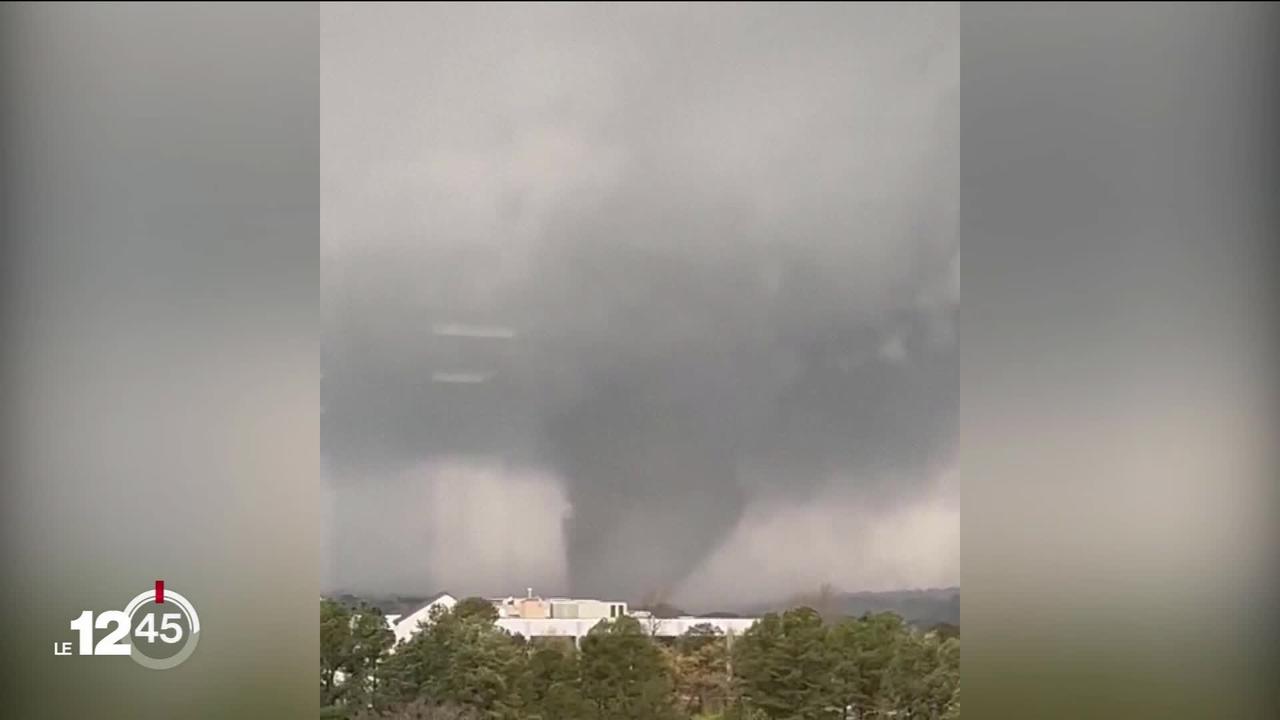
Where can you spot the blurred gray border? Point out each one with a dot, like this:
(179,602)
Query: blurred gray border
(1118,340)
(159,358)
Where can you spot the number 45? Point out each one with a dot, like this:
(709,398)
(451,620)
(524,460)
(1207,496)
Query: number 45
(170,631)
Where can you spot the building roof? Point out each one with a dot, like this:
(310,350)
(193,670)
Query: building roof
(408,624)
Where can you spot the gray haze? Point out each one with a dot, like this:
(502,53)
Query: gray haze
(615,295)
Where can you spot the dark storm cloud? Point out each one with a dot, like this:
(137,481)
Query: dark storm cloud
(719,242)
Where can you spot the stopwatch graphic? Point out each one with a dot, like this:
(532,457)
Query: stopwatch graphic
(159,629)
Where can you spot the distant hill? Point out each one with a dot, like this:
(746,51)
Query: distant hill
(388,604)
(924,608)
(921,607)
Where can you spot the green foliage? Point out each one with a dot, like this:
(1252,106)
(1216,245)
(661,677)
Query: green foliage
(953,706)
(353,642)
(551,688)
(784,666)
(923,676)
(335,631)
(700,659)
(699,636)
(862,650)
(624,675)
(420,710)
(476,607)
(460,659)
(791,666)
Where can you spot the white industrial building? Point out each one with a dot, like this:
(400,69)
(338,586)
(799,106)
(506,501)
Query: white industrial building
(531,607)
(533,616)
(405,626)
(664,627)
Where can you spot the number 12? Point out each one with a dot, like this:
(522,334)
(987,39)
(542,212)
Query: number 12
(109,645)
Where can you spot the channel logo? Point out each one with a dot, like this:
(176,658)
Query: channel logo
(158,628)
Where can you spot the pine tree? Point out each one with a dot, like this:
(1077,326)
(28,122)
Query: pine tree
(700,659)
(353,643)
(624,676)
(863,650)
(459,659)
(785,669)
(335,636)
(923,678)
(550,688)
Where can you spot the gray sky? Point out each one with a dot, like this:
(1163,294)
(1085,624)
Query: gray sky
(640,300)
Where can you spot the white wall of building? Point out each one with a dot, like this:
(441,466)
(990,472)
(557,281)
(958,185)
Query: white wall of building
(590,613)
(407,626)
(669,627)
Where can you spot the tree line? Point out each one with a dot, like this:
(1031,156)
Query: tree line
(792,665)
